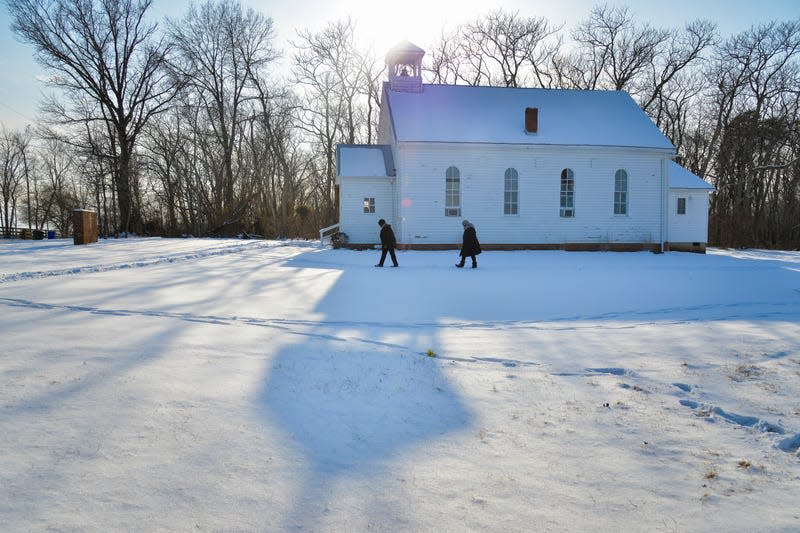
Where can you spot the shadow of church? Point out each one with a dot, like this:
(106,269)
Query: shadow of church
(352,402)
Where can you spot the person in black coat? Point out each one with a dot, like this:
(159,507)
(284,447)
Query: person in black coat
(388,243)
(470,247)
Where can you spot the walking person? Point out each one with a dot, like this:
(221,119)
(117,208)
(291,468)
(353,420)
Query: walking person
(470,247)
(388,243)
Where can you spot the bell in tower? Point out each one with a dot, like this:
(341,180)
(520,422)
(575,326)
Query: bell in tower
(405,67)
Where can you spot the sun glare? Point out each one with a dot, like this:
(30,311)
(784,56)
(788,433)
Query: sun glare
(419,21)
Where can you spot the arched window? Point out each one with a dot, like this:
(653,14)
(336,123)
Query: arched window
(452,193)
(567,193)
(511,192)
(621,192)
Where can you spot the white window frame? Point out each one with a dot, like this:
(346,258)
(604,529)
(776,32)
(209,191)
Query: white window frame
(681,206)
(511,192)
(567,194)
(369,205)
(452,192)
(621,193)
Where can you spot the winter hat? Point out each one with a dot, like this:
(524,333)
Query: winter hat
(381,222)
(465,223)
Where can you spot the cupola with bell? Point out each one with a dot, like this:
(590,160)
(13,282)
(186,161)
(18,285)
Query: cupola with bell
(405,67)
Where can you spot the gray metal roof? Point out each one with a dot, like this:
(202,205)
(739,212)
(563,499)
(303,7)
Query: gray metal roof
(681,178)
(364,160)
(466,114)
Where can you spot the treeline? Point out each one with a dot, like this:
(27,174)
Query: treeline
(190,126)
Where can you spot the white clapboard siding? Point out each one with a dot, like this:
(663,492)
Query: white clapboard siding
(691,227)
(360,227)
(386,134)
(421,194)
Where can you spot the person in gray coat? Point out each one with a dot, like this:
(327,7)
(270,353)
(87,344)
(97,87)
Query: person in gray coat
(470,247)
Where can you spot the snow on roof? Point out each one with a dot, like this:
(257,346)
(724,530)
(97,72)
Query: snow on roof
(466,114)
(404,49)
(680,178)
(364,161)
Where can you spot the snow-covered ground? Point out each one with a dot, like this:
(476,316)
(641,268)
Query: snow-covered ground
(228,385)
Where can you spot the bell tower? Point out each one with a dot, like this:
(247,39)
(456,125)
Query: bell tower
(405,67)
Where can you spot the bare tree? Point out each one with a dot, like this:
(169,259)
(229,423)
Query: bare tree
(280,158)
(164,139)
(106,52)
(681,50)
(57,189)
(334,81)
(501,48)
(23,141)
(443,61)
(12,178)
(677,112)
(753,136)
(613,50)
(374,72)
(455,60)
(670,92)
(515,50)
(220,49)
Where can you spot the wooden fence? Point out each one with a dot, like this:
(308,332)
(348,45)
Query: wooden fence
(27,233)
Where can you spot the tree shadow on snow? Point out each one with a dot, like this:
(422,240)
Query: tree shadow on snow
(352,402)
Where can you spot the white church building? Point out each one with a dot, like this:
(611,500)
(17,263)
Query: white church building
(530,168)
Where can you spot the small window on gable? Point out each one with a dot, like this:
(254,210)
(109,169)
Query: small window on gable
(681,206)
(511,192)
(567,209)
(532,119)
(452,193)
(621,192)
(369,205)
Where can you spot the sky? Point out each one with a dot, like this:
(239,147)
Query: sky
(381,26)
